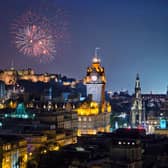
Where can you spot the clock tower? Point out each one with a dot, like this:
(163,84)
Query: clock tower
(94,113)
(95,81)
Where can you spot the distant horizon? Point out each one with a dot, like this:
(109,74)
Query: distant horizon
(108,90)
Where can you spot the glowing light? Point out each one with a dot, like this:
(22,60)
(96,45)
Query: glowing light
(20,112)
(25,158)
(80,149)
(94,78)
(44,151)
(123,115)
(33,36)
(2,106)
(163,124)
(119,142)
(41,33)
(91,132)
(56,148)
(96,60)
(78,132)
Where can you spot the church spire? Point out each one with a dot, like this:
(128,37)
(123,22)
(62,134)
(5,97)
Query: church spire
(137,87)
(136,109)
(137,82)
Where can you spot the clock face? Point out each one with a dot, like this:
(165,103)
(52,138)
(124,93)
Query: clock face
(94,77)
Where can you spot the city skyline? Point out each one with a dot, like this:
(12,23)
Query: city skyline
(132,36)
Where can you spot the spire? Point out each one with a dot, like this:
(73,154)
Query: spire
(137,87)
(137,76)
(137,82)
(137,106)
(95,58)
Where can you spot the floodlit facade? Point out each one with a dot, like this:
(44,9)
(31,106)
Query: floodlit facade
(10,76)
(13,152)
(94,113)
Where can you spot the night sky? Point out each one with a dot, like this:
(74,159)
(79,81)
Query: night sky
(132,35)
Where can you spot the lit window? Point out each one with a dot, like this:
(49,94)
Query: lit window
(8,147)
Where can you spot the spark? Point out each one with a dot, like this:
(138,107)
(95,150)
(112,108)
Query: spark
(33,36)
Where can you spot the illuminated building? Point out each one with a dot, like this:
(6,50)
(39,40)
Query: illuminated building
(20,112)
(95,81)
(164,113)
(63,121)
(157,125)
(137,108)
(152,123)
(94,113)
(10,77)
(161,132)
(157,117)
(13,152)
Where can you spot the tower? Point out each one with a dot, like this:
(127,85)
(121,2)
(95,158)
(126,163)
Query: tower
(136,109)
(95,80)
(94,113)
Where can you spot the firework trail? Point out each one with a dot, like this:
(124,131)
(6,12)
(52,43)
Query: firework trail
(37,36)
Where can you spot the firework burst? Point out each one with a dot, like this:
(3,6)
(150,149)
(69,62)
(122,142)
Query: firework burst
(34,36)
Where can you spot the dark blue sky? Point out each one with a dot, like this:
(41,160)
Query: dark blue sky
(132,35)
